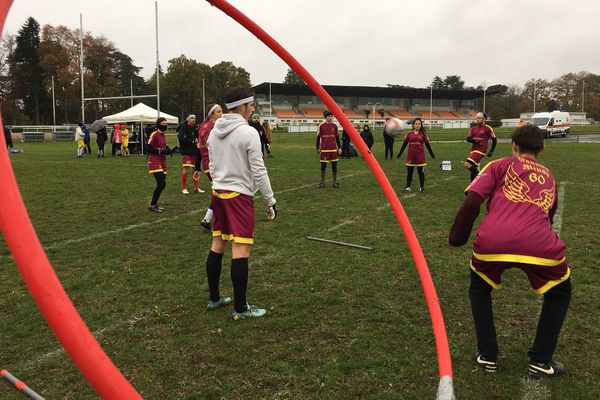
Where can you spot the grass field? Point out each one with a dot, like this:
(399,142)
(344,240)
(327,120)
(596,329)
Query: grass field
(343,323)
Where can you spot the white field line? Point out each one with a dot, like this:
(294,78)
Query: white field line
(536,389)
(557,225)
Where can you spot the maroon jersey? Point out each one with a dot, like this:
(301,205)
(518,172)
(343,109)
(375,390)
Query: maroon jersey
(416,150)
(482,135)
(158,141)
(517,226)
(203,133)
(327,133)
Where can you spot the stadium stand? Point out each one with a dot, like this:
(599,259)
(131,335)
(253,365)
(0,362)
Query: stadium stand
(399,113)
(445,115)
(287,114)
(459,115)
(313,112)
(354,115)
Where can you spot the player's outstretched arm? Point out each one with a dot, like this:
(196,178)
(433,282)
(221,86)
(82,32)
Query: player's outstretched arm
(402,149)
(494,141)
(464,220)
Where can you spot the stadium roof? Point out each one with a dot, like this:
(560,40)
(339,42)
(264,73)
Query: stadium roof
(371,91)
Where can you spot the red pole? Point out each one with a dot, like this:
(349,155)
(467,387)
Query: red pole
(437,320)
(46,289)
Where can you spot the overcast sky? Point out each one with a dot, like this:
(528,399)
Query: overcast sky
(350,42)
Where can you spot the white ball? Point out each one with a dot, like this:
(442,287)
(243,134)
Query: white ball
(395,126)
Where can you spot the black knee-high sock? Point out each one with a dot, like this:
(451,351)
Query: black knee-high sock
(421,176)
(409,175)
(213,274)
(161,182)
(239,279)
(474,172)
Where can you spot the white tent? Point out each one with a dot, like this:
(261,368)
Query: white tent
(139,113)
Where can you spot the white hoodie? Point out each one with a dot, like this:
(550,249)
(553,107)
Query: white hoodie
(236,161)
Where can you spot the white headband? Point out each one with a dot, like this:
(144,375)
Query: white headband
(479,114)
(212,109)
(190,117)
(237,103)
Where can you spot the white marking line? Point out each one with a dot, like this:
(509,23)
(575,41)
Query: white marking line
(36,362)
(532,389)
(557,225)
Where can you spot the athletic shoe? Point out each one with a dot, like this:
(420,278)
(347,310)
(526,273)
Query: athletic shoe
(155,209)
(161,209)
(321,184)
(336,185)
(205,224)
(251,312)
(407,189)
(421,189)
(487,365)
(185,191)
(223,301)
(198,190)
(536,370)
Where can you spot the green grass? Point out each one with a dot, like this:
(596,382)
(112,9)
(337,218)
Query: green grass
(343,323)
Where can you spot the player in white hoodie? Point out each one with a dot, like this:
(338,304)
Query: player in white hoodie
(238,172)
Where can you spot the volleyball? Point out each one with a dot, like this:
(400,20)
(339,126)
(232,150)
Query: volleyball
(394,126)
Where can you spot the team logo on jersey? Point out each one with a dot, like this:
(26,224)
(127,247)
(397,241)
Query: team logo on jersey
(517,190)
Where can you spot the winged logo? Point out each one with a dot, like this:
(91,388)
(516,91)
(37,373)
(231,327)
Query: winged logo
(517,190)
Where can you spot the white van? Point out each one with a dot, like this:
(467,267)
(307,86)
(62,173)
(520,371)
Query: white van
(555,123)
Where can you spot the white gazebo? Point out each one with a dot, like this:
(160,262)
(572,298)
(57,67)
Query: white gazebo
(141,114)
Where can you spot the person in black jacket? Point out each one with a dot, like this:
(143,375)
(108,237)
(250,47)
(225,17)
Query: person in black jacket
(345,144)
(388,140)
(255,123)
(367,136)
(7,136)
(101,138)
(187,134)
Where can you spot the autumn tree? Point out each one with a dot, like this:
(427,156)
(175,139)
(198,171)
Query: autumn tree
(227,75)
(292,78)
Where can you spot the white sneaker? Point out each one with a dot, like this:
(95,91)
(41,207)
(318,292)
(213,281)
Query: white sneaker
(251,312)
(200,190)
(185,191)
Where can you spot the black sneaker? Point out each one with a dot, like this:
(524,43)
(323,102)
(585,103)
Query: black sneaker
(205,224)
(536,370)
(487,365)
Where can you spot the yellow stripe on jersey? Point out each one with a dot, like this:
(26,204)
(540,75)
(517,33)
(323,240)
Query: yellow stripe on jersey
(551,284)
(478,152)
(225,196)
(236,239)
(518,258)
(328,151)
(416,165)
(485,278)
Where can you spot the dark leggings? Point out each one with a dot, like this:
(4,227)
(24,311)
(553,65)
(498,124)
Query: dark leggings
(409,174)
(389,148)
(161,182)
(333,167)
(554,312)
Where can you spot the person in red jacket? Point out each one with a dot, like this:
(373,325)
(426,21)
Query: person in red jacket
(516,233)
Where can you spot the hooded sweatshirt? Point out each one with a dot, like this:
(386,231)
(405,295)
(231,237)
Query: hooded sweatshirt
(236,161)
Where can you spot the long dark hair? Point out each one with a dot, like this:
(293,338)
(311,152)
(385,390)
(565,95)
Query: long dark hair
(422,129)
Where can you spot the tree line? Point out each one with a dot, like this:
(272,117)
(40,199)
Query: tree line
(34,57)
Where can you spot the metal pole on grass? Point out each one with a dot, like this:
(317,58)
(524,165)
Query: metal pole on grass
(157,62)
(81,66)
(54,104)
(20,385)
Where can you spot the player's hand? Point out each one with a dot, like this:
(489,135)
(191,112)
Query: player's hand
(196,175)
(432,156)
(490,154)
(271,212)
(399,154)
(339,151)
(318,151)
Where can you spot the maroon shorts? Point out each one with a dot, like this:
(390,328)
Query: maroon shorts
(329,155)
(416,159)
(475,156)
(541,278)
(157,164)
(188,161)
(233,216)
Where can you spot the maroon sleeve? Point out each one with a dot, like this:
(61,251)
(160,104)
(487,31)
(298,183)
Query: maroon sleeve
(464,220)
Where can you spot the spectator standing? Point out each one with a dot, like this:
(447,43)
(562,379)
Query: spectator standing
(79,136)
(116,138)
(367,136)
(388,141)
(255,123)
(187,135)
(345,144)
(101,139)
(125,143)
(516,233)
(415,157)
(7,136)
(86,138)
(268,137)
(238,170)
